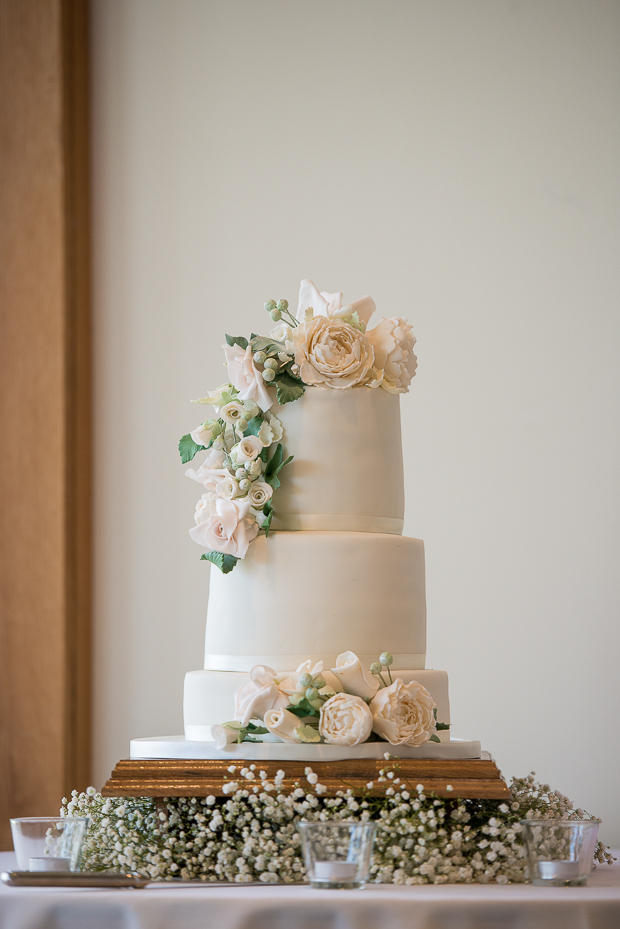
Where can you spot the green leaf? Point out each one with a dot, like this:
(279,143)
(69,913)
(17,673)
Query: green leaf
(257,730)
(275,462)
(441,727)
(434,738)
(224,562)
(248,739)
(288,388)
(261,343)
(188,449)
(303,709)
(254,424)
(307,734)
(275,465)
(237,340)
(268,513)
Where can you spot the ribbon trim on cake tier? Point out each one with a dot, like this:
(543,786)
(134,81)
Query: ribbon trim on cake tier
(287,663)
(330,522)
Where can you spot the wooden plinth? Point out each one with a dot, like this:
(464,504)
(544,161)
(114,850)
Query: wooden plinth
(476,778)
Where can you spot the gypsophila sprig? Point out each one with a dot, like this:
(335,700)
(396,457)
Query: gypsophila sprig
(250,834)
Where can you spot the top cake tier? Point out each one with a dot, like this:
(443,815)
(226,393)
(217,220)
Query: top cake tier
(347,471)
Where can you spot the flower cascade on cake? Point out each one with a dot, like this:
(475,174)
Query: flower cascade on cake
(326,345)
(347,705)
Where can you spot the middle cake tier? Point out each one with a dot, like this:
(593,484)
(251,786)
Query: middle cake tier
(299,595)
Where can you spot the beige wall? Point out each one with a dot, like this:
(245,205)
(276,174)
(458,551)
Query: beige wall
(459,162)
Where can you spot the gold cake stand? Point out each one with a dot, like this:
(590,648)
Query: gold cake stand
(475,778)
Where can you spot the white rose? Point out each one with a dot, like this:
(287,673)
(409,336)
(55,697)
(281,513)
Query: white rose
(223,736)
(229,530)
(395,363)
(260,694)
(205,508)
(353,677)
(210,472)
(271,430)
(282,723)
(345,720)
(202,435)
(330,353)
(248,449)
(246,377)
(281,332)
(228,488)
(403,713)
(232,412)
(260,493)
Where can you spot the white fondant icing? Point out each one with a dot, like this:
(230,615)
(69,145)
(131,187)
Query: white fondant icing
(347,464)
(315,595)
(208,698)
(177,747)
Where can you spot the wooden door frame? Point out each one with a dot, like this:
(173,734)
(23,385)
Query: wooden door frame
(45,406)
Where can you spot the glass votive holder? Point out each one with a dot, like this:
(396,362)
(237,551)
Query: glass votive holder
(337,855)
(48,843)
(560,851)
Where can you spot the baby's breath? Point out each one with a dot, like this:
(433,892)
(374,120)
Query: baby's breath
(251,835)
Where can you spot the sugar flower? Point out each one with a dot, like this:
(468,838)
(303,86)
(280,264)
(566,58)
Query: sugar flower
(260,694)
(403,713)
(395,363)
(330,353)
(229,530)
(246,377)
(345,720)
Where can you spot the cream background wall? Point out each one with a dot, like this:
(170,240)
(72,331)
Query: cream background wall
(459,162)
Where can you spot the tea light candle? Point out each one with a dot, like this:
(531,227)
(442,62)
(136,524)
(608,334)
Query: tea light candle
(335,871)
(558,870)
(49,864)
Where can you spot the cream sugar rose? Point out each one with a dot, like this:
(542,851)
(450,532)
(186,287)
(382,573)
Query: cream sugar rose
(301,517)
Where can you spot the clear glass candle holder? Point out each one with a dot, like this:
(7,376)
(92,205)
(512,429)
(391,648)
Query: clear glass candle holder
(337,855)
(48,843)
(559,852)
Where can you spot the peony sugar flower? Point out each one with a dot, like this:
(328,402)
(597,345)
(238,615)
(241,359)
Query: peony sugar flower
(403,714)
(330,353)
(395,363)
(345,720)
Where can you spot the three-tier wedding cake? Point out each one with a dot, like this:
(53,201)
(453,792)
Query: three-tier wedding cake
(311,577)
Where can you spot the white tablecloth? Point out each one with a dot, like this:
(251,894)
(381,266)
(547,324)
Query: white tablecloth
(455,906)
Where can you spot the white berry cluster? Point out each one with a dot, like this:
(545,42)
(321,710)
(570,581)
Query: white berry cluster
(250,835)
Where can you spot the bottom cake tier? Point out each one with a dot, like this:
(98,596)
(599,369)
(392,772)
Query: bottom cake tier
(208,699)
